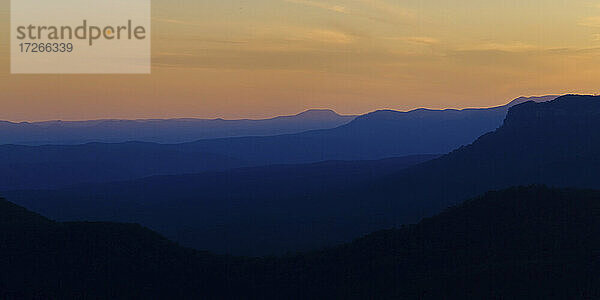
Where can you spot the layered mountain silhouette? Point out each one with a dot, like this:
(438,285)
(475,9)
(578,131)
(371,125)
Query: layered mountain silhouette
(554,143)
(520,243)
(43,259)
(65,165)
(243,211)
(378,135)
(163,130)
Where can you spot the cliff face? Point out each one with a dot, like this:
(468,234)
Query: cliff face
(566,112)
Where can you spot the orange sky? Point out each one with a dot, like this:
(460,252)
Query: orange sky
(260,58)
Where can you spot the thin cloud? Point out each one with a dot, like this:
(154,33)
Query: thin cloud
(590,22)
(321,5)
(330,36)
(387,8)
(175,21)
(319,35)
(375,10)
(422,40)
(503,47)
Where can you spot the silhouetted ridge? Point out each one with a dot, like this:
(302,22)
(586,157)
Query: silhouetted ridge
(554,143)
(42,259)
(520,243)
(12,214)
(319,114)
(218,211)
(443,114)
(573,109)
(378,135)
(163,130)
(534,99)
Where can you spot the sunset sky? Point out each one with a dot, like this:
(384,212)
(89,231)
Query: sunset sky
(261,58)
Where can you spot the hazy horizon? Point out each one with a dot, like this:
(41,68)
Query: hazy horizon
(292,114)
(238,59)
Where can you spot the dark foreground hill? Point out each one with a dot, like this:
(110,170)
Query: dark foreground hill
(377,135)
(555,143)
(521,243)
(42,259)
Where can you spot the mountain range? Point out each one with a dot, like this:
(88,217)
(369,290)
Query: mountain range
(162,130)
(378,135)
(511,215)
(172,131)
(521,243)
(207,210)
(262,210)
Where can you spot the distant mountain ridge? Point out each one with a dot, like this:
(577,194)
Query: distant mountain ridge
(555,143)
(170,131)
(377,135)
(163,130)
(537,99)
